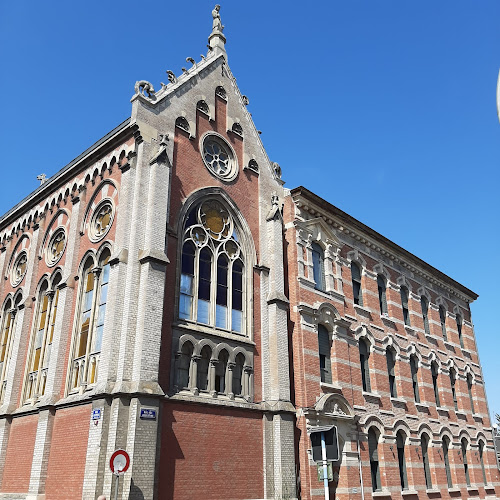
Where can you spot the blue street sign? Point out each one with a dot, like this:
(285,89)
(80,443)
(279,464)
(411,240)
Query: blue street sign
(96,414)
(148,414)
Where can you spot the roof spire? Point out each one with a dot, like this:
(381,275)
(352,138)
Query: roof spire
(216,38)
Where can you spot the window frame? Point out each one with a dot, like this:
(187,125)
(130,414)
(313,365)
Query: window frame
(48,290)
(357,286)
(424,444)
(405,301)
(8,323)
(414,377)
(98,265)
(391,367)
(424,304)
(442,320)
(324,353)
(435,375)
(318,266)
(373,442)
(403,473)
(364,359)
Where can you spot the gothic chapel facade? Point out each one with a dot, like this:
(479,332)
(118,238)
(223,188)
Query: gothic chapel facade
(165,294)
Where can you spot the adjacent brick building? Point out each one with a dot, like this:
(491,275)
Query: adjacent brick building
(165,294)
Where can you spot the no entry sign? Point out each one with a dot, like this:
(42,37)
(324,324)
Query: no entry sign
(119,462)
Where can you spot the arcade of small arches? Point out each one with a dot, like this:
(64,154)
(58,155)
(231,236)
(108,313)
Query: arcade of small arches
(204,367)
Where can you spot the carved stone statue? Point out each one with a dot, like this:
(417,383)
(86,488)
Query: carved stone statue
(217,24)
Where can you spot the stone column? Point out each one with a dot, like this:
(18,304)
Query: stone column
(279,420)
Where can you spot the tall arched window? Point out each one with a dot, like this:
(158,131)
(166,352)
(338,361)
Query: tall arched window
(434,373)
(463,445)
(424,303)
(6,340)
(469,390)
(404,303)
(42,336)
(414,377)
(374,462)
(400,444)
(382,294)
(212,269)
(325,365)
(481,460)
(424,442)
(356,284)
(459,330)
(318,266)
(391,364)
(453,379)
(446,448)
(91,314)
(442,319)
(364,355)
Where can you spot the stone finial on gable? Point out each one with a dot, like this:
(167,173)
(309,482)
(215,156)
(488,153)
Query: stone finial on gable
(216,38)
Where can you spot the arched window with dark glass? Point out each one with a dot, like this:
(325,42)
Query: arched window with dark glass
(238,374)
(356,284)
(325,365)
(463,445)
(446,448)
(203,366)
(400,444)
(374,462)
(382,294)
(435,373)
(414,377)
(184,365)
(212,278)
(442,319)
(481,460)
(469,390)
(404,303)
(391,365)
(424,303)
(424,442)
(318,266)
(221,372)
(459,330)
(364,356)
(453,379)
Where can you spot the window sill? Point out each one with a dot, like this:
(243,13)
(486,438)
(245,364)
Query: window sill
(442,409)
(422,406)
(409,492)
(398,400)
(362,310)
(454,490)
(330,387)
(470,489)
(433,491)
(477,416)
(449,345)
(382,493)
(372,395)
(459,413)
(215,332)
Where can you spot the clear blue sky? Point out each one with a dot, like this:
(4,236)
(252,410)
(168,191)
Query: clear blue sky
(386,109)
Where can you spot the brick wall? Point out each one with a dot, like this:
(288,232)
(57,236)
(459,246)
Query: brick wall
(210,453)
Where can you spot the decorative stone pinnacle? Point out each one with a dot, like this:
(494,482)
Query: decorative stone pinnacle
(42,178)
(216,38)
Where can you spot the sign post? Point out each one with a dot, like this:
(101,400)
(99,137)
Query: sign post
(119,463)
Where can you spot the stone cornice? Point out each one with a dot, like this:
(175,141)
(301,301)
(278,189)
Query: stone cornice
(344,223)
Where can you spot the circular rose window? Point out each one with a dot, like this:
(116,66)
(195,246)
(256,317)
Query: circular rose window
(101,221)
(56,246)
(219,157)
(19,268)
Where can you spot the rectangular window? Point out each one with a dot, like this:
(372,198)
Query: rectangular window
(324,354)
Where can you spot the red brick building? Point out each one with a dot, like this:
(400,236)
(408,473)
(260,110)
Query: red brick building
(165,294)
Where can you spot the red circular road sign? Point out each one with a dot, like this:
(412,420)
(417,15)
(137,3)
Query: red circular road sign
(119,462)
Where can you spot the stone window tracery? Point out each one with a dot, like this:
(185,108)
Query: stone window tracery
(101,220)
(219,157)
(19,268)
(56,247)
(212,269)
